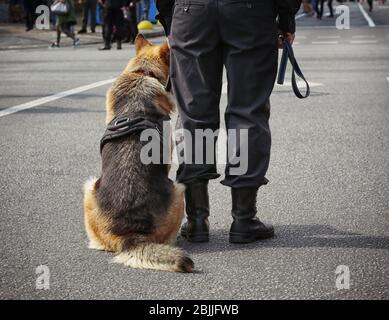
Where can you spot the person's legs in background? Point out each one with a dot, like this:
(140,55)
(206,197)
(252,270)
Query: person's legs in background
(108,29)
(89,6)
(330,7)
(320,8)
(370,3)
(133,22)
(29,11)
(85,12)
(58,37)
(118,19)
(93,9)
(68,29)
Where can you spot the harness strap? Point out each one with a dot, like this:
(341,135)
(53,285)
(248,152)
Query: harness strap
(288,53)
(126,125)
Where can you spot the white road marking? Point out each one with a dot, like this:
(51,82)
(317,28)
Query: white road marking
(38,102)
(328,37)
(299,16)
(335,236)
(325,42)
(286,84)
(369,20)
(363,41)
(363,36)
(387,79)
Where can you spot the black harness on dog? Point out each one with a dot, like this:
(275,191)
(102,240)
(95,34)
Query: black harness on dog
(128,124)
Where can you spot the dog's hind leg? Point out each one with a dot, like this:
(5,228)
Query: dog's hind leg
(168,229)
(91,210)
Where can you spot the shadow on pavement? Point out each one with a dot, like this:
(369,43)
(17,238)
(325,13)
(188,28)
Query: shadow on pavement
(292,236)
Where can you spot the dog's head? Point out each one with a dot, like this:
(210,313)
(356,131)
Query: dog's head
(151,60)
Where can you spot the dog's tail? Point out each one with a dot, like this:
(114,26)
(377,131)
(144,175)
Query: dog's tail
(156,256)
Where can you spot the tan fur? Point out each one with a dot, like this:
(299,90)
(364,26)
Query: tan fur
(154,250)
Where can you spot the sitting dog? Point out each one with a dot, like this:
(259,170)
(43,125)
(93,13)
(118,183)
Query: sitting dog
(134,209)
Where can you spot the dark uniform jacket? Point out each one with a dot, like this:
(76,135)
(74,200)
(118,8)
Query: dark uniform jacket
(286,10)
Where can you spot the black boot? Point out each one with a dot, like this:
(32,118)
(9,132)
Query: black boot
(246,226)
(196,229)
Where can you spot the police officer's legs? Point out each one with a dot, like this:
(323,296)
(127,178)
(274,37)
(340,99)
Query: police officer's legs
(108,28)
(250,57)
(85,12)
(93,8)
(203,36)
(196,72)
(118,19)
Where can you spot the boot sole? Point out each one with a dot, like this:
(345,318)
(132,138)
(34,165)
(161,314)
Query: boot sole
(197,238)
(248,238)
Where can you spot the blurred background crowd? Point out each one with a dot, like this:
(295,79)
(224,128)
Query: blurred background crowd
(118,19)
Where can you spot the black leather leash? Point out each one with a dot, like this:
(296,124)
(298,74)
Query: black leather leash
(288,55)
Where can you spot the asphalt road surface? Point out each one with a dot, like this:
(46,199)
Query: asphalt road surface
(328,196)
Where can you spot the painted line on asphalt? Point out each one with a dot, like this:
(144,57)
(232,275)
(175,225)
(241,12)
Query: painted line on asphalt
(363,41)
(60,95)
(325,42)
(369,20)
(363,36)
(299,16)
(328,37)
(387,79)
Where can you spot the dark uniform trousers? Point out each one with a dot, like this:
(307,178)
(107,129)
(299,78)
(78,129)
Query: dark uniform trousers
(113,17)
(89,5)
(242,36)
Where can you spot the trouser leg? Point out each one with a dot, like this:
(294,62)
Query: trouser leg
(28,8)
(196,74)
(68,30)
(85,11)
(250,57)
(58,31)
(119,23)
(93,7)
(330,7)
(108,27)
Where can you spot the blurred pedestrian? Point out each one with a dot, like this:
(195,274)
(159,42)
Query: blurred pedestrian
(315,7)
(113,17)
(65,24)
(15,11)
(370,3)
(307,7)
(88,6)
(29,9)
(131,21)
(321,8)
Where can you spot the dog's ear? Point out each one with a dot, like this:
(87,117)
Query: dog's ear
(164,53)
(141,42)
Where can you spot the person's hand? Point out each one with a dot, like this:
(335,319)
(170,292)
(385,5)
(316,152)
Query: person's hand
(285,35)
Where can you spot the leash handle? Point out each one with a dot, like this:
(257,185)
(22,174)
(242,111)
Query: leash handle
(288,54)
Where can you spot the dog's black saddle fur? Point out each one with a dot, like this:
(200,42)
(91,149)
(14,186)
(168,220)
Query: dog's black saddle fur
(127,124)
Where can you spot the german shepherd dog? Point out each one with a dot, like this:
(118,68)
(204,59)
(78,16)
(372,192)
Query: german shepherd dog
(134,209)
